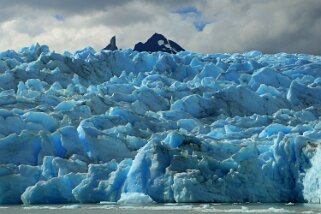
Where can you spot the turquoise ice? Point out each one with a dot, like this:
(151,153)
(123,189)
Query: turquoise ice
(134,127)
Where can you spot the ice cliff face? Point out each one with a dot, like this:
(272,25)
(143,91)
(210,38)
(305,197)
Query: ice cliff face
(136,127)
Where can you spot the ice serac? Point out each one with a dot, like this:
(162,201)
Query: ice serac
(136,127)
(158,42)
(312,180)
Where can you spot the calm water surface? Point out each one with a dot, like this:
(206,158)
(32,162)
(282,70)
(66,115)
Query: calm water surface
(163,208)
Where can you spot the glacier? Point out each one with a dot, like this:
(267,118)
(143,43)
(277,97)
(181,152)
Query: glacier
(136,127)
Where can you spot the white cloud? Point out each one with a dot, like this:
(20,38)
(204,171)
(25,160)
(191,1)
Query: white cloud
(234,26)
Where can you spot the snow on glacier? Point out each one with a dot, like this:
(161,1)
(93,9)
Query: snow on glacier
(137,127)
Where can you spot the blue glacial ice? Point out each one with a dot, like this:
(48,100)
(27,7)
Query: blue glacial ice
(137,127)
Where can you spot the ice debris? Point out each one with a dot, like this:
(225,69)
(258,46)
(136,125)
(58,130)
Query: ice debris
(135,127)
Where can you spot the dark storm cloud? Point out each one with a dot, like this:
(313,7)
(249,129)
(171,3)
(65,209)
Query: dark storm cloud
(15,8)
(67,6)
(301,29)
(124,15)
(83,6)
(271,26)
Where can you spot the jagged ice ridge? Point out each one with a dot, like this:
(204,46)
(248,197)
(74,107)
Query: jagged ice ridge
(135,127)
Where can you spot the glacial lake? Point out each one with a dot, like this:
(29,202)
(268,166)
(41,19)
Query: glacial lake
(162,208)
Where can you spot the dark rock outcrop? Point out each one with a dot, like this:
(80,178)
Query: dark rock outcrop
(158,42)
(112,44)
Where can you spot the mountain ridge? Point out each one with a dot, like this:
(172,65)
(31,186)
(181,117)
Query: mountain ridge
(158,42)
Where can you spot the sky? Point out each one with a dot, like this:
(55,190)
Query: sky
(204,26)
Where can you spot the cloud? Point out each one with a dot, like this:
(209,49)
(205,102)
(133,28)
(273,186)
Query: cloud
(67,7)
(270,26)
(206,26)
